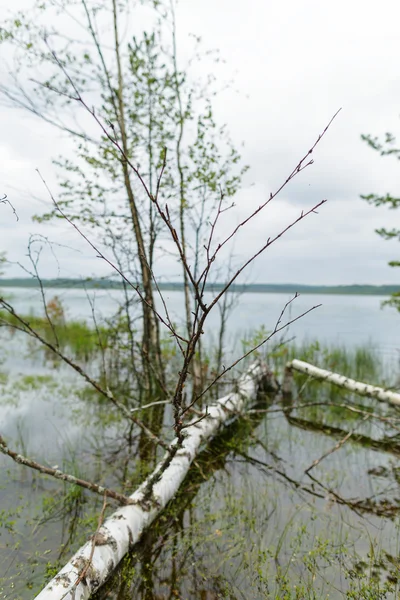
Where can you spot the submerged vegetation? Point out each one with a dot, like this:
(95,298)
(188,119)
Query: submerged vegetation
(277,535)
(76,336)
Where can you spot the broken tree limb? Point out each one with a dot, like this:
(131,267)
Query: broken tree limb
(55,472)
(363,389)
(124,528)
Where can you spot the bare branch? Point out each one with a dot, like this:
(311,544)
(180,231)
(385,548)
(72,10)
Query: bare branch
(106,393)
(54,472)
(276,330)
(5,200)
(269,242)
(109,262)
(301,165)
(335,447)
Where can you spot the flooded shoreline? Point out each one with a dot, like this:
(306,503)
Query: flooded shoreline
(248,521)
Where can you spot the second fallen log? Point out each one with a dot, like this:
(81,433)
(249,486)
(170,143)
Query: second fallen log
(357,387)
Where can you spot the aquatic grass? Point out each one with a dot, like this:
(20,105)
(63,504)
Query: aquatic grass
(221,553)
(64,513)
(227,537)
(76,336)
(35,382)
(17,387)
(224,541)
(362,363)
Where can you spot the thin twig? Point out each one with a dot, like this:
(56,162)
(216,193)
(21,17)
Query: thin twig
(26,328)
(149,405)
(5,200)
(34,263)
(336,446)
(298,168)
(276,330)
(268,243)
(109,262)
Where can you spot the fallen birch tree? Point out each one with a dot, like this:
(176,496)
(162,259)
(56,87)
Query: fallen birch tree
(94,562)
(357,387)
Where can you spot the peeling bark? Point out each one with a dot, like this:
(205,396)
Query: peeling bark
(363,389)
(124,528)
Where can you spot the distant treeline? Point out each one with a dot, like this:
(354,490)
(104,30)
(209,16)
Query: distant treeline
(262,288)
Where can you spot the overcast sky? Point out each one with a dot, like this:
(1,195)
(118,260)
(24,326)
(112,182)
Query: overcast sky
(294,64)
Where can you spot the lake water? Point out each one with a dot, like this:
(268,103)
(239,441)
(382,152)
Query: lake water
(340,320)
(252,506)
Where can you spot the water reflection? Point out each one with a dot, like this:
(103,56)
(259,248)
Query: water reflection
(341,320)
(247,523)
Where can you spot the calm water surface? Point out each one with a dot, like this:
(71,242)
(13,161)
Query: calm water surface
(240,512)
(344,320)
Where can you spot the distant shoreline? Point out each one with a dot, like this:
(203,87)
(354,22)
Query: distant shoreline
(260,288)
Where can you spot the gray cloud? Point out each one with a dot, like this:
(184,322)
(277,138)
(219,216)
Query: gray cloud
(294,65)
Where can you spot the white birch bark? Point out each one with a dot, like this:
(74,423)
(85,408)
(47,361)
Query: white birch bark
(363,389)
(124,527)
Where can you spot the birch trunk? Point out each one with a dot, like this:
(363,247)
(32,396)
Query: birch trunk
(363,389)
(124,528)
